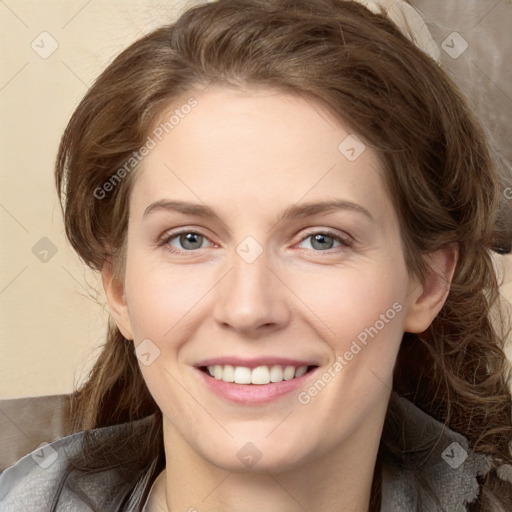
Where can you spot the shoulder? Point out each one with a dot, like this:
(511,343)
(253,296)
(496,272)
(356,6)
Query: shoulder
(45,480)
(33,481)
(428,466)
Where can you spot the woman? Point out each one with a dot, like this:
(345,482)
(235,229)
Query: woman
(292,210)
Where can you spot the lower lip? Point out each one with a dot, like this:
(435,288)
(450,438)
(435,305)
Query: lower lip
(253,394)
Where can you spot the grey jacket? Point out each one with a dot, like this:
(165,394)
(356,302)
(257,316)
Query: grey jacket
(426,468)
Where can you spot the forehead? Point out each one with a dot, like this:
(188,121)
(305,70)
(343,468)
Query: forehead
(257,148)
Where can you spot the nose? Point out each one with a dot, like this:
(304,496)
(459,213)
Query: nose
(252,299)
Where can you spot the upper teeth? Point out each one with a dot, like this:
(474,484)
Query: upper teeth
(258,375)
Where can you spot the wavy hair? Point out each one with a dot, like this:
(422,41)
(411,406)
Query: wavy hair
(438,171)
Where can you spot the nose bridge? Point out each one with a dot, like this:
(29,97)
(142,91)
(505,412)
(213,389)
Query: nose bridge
(250,295)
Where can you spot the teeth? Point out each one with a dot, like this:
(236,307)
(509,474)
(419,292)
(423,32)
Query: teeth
(259,375)
(228,373)
(301,371)
(289,373)
(242,375)
(276,374)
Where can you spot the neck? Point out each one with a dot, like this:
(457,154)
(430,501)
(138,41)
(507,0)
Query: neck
(340,479)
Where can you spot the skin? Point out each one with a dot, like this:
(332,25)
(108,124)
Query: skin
(248,155)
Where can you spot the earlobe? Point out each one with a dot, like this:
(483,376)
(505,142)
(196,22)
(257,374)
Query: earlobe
(427,297)
(116,300)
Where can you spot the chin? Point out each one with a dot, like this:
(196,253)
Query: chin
(258,457)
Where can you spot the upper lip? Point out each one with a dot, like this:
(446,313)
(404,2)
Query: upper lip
(255,362)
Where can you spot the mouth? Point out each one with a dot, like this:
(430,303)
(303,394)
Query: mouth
(256,384)
(259,376)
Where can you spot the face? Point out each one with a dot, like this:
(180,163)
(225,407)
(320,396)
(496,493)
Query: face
(260,237)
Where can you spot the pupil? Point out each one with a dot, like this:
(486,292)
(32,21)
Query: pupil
(323,241)
(190,241)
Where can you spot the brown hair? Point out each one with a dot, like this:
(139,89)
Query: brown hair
(438,167)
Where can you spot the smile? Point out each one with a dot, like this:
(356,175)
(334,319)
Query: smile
(259,375)
(259,383)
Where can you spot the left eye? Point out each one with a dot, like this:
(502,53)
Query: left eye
(324,241)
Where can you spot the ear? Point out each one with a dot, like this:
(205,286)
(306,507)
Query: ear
(114,291)
(427,297)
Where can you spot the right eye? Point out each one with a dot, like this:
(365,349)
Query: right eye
(184,241)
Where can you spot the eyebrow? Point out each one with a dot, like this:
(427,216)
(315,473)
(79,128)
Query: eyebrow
(294,211)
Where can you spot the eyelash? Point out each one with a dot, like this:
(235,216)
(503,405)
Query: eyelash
(344,242)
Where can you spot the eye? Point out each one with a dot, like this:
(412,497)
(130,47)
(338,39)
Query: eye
(185,241)
(325,240)
(188,241)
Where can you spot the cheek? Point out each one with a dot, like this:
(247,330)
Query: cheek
(353,303)
(161,299)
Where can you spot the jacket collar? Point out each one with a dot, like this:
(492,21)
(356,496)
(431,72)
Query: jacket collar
(426,465)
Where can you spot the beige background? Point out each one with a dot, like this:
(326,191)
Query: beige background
(51,324)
